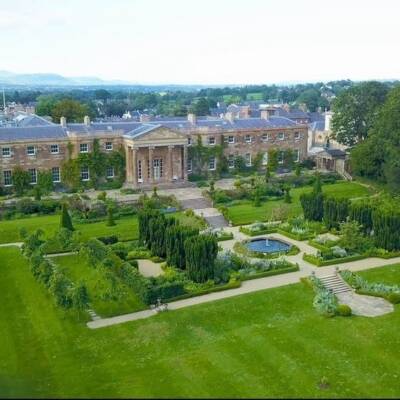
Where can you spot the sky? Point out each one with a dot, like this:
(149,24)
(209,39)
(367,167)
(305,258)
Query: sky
(204,41)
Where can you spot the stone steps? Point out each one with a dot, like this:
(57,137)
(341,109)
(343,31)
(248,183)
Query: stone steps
(335,283)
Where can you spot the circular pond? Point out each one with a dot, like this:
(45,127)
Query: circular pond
(266,245)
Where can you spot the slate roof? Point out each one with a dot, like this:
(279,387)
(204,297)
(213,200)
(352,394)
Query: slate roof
(317,125)
(23,120)
(32,133)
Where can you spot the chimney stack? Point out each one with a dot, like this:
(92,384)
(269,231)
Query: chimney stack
(229,116)
(63,122)
(192,118)
(328,117)
(86,120)
(265,114)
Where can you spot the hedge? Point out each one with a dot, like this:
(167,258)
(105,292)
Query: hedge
(248,232)
(296,236)
(272,272)
(323,263)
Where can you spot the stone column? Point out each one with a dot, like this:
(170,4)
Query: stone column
(134,166)
(128,164)
(151,150)
(184,170)
(170,172)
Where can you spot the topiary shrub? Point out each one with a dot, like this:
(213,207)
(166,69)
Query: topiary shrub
(108,239)
(344,310)
(394,298)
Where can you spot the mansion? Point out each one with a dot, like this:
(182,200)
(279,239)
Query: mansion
(156,151)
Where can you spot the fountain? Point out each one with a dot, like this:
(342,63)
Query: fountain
(268,245)
(266,242)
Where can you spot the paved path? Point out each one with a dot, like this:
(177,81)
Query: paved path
(367,306)
(149,268)
(18,244)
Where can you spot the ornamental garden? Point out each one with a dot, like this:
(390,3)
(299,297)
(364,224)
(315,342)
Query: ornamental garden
(83,257)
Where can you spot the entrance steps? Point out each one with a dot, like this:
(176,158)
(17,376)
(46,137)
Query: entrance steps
(335,283)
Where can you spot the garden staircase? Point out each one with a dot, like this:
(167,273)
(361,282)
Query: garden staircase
(335,283)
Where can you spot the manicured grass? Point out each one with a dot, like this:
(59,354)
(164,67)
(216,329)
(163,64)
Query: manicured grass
(125,228)
(268,344)
(389,274)
(246,213)
(100,287)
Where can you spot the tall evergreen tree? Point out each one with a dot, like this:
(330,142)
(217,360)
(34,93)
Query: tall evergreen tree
(66,221)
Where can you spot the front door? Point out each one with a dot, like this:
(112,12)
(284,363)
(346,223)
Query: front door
(157,168)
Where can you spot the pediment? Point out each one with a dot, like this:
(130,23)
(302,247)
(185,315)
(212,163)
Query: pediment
(160,133)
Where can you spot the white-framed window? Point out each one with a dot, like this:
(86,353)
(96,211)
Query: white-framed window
(281,136)
(189,141)
(6,151)
(247,158)
(281,157)
(265,137)
(297,135)
(54,149)
(33,176)
(30,150)
(110,172)
(85,174)
(211,163)
(231,161)
(83,148)
(189,165)
(109,146)
(211,140)
(247,139)
(296,155)
(231,139)
(55,174)
(265,158)
(7,178)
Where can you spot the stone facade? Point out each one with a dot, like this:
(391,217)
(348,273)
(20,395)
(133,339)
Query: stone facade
(155,152)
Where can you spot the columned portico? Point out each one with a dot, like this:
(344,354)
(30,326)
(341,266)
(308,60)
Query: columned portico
(156,156)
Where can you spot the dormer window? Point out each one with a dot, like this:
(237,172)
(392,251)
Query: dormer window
(30,150)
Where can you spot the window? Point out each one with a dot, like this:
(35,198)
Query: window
(247,139)
(189,165)
(296,155)
(231,161)
(265,137)
(231,139)
(110,172)
(281,157)
(55,174)
(109,146)
(140,175)
(158,168)
(6,151)
(54,149)
(265,159)
(83,148)
(85,173)
(189,141)
(30,150)
(7,178)
(281,136)
(248,159)
(211,140)
(33,176)
(211,163)
(297,135)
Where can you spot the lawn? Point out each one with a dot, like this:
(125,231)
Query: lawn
(125,228)
(246,213)
(268,344)
(389,274)
(100,288)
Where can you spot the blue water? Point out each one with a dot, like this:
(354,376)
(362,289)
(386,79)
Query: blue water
(274,246)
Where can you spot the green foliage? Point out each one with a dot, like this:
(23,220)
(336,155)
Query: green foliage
(335,211)
(361,211)
(394,298)
(272,160)
(352,238)
(355,111)
(200,252)
(175,241)
(20,180)
(110,216)
(287,198)
(66,221)
(386,225)
(200,156)
(45,182)
(312,205)
(325,302)
(80,296)
(344,310)
(61,288)
(72,110)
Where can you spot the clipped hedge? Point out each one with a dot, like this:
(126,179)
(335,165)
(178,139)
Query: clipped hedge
(296,236)
(249,232)
(272,272)
(323,263)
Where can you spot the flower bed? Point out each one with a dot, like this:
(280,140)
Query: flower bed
(319,262)
(259,228)
(300,229)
